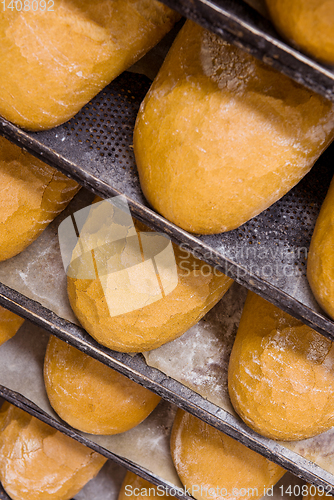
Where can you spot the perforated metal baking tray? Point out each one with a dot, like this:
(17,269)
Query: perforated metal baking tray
(135,368)
(240,24)
(267,255)
(28,406)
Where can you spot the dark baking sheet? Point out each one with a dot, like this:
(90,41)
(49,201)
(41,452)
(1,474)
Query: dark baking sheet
(28,406)
(171,390)
(240,24)
(95,148)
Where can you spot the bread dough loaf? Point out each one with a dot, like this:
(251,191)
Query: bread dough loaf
(38,462)
(281,374)
(213,465)
(308,24)
(197,288)
(320,261)
(89,395)
(9,324)
(32,194)
(221,136)
(137,488)
(69,54)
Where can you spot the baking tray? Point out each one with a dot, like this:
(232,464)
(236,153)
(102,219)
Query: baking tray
(47,306)
(26,405)
(144,449)
(267,254)
(21,379)
(106,485)
(241,25)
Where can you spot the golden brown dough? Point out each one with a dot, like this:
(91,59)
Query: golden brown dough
(320,261)
(67,56)
(199,288)
(137,488)
(9,324)
(38,462)
(281,374)
(32,194)
(89,395)
(213,465)
(308,24)
(221,136)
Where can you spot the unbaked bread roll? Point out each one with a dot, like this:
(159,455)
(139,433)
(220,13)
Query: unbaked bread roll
(221,136)
(161,304)
(32,194)
(213,465)
(9,324)
(320,261)
(69,54)
(281,374)
(38,462)
(137,488)
(308,24)
(89,395)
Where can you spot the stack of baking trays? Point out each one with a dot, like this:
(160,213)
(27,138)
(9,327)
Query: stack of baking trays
(95,148)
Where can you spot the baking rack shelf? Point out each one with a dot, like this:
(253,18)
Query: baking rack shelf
(20,401)
(267,254)
(240,24)
(135,368)
(95,148)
